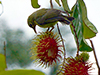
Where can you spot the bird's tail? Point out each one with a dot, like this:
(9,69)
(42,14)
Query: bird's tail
(66,19)
(70,18)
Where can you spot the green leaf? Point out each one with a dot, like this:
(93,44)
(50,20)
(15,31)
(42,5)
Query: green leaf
(35,4)
(2,62)
(84,46)
(21,72)
(58,2)
(89,29)
(88,33)
(78,23)
(65,5)
(0,2)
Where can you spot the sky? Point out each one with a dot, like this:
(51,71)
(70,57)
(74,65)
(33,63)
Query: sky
(16,12)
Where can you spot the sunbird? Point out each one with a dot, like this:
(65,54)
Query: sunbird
(47,18)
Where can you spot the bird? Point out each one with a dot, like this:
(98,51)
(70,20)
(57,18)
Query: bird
(47,18)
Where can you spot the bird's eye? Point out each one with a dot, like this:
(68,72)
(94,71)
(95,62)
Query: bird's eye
(30,25)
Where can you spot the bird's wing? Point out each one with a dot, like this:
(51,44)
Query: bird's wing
(53,15)
(54,20)
(39,13)
(50,14)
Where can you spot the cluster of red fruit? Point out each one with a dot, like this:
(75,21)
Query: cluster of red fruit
(46,50)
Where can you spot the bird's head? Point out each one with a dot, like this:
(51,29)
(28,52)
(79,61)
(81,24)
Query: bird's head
(31,23)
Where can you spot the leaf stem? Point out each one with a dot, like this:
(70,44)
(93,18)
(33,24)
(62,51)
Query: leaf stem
(51,4)
(97,63)
(77,43)
(63,46)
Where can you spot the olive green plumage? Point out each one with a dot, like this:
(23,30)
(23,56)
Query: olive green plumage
(47,18)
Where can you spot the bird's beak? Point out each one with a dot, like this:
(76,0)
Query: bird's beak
(34,28)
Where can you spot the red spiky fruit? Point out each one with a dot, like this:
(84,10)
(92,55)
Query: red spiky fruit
(46,48)
(73,66)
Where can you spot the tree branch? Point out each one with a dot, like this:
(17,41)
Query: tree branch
(97,63)
(63,47)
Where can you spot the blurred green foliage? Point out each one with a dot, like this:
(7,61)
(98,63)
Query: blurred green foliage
(17,45)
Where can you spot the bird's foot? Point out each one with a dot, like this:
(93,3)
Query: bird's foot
(49,29)
(52,29)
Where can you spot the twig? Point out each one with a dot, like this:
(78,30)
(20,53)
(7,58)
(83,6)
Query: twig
(63,46)
(95,57)
(51,4)
(5,53)
(77,43)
